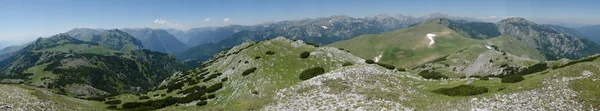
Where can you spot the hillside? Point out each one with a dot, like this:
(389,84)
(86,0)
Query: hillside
(87,69)
(276,75)
(552,43)
(267,75)
(410,47)
(157,40)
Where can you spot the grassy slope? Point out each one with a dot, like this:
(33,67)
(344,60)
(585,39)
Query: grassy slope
(412,41)
(274,72)
(30,98)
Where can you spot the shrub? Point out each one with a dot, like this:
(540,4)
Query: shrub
(401,69)
(224,79)
(347,64)
(257,57)
(171,88)
(484,78)
(131,105)
(214,88)
(304,54)
(432,75)
(270,52)
(211,96)
(111,107)
(201,103)
(369,61)
(312,72)
(462,90)
(512,79)
(248,71)
(312,44)
(387,66)
(144,97)
(212,77)
(113,102)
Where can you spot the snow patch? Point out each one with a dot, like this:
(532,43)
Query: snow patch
(324,27)
(376,59)
(487,46)
(430,36)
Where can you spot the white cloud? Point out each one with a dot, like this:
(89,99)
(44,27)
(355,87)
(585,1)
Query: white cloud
(207,20)
(161,21)
(488,17)
(508,16)
(227,20)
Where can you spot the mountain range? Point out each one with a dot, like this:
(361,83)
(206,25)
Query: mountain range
(113,62)
(434,62)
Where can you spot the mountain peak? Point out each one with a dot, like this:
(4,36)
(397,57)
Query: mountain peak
(382,16)
(517,20)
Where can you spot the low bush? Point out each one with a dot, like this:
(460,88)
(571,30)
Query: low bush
(387,66)
(369,61)
(401,69)
(432,75)
(113,102)
(131,105)
(111,107)
(201,103)
(270,52)
(312,44)
(224,79)
(172,87)
(347,64)
(211,96)
(512,79)
(304,54)
(212,77)
(257,57)
(462,90)
(214,88)
(144,97)
(484,78)
(248,71)
(312,72)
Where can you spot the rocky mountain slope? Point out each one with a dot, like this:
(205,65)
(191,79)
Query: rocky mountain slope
(282,74)
(318,31)
(109,65)
(470,49)
(157,40)
(552,43)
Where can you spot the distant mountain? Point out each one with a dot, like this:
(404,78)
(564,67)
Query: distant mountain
(117,40)
(565,30)
(179,34)
(410,47)
(554,44)
(84,34)
(113,63)
(205,35)
(472,48)
(432,16)
(10,49)
(320,31)
(592,32)
(157,40)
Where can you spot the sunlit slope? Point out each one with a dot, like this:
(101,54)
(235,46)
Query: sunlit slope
(409,47)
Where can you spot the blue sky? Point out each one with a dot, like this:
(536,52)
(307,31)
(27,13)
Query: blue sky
(24,20)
